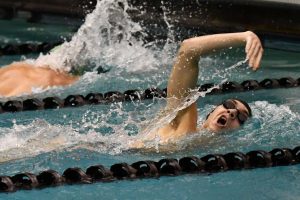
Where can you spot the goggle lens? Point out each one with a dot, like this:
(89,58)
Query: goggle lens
(241,116)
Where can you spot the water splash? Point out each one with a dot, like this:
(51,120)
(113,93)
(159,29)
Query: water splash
(270,126)
(169,113)
(105,131)
(108,38)
(40,136)
(105,39)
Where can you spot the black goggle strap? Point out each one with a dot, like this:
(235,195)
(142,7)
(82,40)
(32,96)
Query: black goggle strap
(210,113)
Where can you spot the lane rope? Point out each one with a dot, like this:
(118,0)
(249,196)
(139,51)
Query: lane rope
(138,95)
(211,163)
(27,48)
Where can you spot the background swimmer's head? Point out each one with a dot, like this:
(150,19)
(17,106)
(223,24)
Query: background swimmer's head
(79,71)
(229,115)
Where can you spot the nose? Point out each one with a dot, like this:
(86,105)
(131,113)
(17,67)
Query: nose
(232,113)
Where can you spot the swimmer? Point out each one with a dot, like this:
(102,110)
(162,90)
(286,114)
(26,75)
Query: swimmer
(229,115)
(20,77)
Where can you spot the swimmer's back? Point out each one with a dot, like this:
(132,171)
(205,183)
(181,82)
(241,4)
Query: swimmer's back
(20,77)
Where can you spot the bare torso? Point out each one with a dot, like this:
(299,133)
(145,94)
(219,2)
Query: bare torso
(19,78)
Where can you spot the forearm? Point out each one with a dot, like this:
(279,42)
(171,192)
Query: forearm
(193,48)
(184,75)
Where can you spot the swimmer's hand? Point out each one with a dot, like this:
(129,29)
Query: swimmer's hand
(254,49)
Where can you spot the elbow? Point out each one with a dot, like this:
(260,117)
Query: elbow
(189,50)
(186,45)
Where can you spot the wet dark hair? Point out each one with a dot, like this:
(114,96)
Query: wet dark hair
(241,101)
(79,71)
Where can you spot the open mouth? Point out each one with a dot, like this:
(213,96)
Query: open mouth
(222,121)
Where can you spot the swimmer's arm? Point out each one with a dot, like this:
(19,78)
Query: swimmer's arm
(185,71)
(184,74)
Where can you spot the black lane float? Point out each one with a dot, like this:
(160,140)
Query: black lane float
(208,164)
(27,48)
(138,95)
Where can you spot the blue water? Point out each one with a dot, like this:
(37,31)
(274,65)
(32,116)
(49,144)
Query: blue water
(99,134)
(52,30)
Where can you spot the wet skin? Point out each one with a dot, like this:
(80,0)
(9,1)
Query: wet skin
(20,78)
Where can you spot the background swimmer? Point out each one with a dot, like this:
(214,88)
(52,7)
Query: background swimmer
(21,77)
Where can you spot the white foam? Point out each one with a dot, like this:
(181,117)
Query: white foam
(267,127)
(105,38)
(96,43)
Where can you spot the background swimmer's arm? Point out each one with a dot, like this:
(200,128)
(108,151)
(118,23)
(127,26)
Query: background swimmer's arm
(184,74)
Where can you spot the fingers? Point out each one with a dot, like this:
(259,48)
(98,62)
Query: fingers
(255,59)
(254,51)
(254,54)
(258,60)
(248,46)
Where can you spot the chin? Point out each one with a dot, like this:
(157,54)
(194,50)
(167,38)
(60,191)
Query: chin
(215,129)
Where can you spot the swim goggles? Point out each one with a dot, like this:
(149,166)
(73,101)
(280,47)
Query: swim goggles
(241,116)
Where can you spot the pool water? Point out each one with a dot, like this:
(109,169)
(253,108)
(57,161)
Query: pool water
(99,134)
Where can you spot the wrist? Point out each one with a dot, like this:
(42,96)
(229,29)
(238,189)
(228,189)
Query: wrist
(245,35)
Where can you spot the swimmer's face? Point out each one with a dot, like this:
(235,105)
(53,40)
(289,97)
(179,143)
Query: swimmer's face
(231,114)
